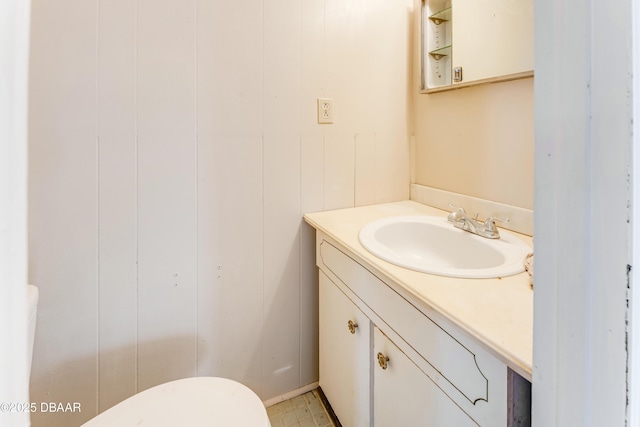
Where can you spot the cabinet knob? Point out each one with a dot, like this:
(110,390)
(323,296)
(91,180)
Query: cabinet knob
(383,360)
(352,326)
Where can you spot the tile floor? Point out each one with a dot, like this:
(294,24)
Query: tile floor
(302,411)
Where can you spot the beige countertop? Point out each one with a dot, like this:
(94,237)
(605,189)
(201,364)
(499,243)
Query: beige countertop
(496,312)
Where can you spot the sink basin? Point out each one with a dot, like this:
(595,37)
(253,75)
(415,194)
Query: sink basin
(431,244)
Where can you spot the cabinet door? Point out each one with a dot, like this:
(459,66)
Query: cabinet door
(492,38)
(406,396)
(344,355)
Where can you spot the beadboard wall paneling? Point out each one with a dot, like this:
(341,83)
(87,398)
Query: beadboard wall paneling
(167,203)
(173,150)
(63,206)
(230,202)
(117,200)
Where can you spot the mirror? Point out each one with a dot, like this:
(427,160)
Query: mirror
(469,42)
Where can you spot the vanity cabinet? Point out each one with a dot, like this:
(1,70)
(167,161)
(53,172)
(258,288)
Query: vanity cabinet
(403,364)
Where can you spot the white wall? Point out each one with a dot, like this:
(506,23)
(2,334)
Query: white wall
(173,151)
(583,217)
(477,141)
(14,61)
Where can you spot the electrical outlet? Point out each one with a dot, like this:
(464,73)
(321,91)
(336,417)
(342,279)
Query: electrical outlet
(325,110)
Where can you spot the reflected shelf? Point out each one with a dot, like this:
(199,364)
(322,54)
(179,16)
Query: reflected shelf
(440,17)
(441,52)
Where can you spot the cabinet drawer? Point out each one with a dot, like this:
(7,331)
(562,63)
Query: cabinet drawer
(466,372)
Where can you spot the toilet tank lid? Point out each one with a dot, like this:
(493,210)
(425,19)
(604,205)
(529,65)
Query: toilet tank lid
(32,299)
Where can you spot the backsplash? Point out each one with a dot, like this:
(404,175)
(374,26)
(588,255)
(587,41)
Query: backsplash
(520,219)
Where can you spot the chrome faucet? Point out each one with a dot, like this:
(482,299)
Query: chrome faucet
(487,229)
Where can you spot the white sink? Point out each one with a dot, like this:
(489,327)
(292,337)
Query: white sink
(433,245)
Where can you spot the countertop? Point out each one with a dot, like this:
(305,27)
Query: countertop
(498,313)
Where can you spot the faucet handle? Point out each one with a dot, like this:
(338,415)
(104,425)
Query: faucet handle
(456,215)
(490,223)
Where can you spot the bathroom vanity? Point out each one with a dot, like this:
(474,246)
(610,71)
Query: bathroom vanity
(400,347)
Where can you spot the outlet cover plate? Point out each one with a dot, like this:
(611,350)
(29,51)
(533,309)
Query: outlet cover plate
(325,110)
